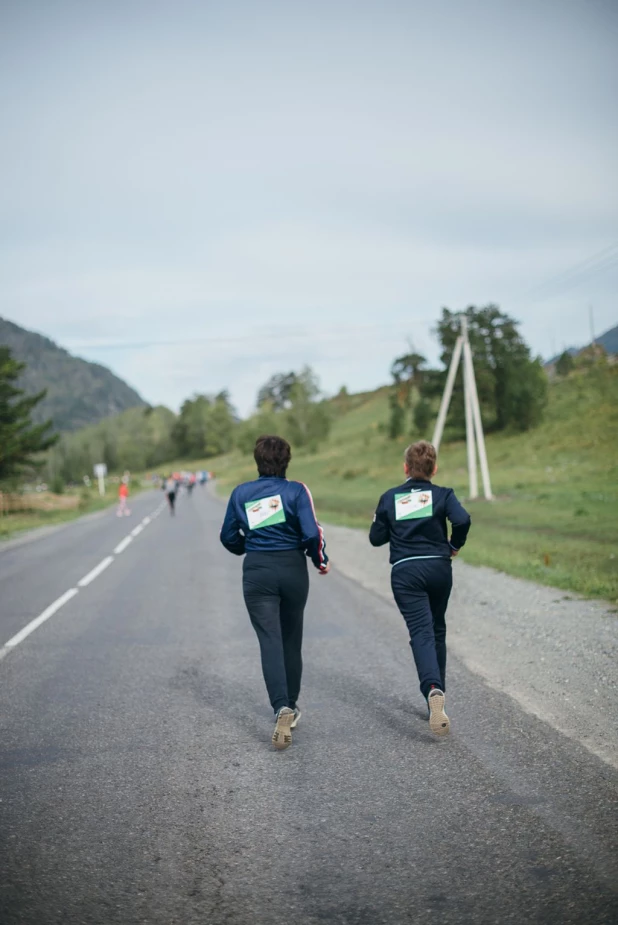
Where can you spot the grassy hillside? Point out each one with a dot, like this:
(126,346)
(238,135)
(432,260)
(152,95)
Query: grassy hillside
(78,392)
(556,509)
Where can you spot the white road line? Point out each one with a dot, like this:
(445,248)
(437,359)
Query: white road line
(42,617)
(122,545)
(95,571)
(82,583)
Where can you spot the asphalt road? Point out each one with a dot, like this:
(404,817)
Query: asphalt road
(138,785)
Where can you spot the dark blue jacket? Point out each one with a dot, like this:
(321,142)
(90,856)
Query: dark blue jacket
(412,517)
(272,513)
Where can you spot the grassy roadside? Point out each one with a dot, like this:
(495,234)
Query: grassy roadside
(87,502)
(555,516)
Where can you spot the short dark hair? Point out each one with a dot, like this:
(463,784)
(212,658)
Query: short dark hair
(272,455)
(421,460)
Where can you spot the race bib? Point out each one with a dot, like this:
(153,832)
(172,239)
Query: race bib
(265,512)
(412,504)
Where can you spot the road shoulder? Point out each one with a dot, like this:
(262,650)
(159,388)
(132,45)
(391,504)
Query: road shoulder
(554,653)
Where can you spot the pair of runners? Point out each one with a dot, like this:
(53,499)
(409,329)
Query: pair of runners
(272,522)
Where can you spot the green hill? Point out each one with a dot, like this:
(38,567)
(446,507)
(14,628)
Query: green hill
(78,392)
(556,509)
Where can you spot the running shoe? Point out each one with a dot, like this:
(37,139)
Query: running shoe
(297,716)
(438,720)
(282,736)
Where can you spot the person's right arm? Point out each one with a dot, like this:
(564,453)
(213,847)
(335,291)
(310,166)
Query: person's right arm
(380,532)
(460,522)
(231,537)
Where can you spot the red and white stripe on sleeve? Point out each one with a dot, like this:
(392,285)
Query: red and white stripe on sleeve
(322,542)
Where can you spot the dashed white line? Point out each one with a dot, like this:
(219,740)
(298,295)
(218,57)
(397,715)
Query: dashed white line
(42,617)
(82,583)
(122,545)
(95,572)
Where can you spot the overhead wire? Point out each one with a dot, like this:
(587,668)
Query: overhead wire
(599,262)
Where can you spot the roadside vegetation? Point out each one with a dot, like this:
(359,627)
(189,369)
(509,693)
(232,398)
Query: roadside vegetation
(552,443)
(556,486)
(29,510)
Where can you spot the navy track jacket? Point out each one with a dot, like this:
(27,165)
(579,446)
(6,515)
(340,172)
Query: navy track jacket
(273,514)
(412,517)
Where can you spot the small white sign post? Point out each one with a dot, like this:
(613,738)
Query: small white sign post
(100,470)
(475,439)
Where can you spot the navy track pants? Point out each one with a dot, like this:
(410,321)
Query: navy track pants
(275,587)
(422,588)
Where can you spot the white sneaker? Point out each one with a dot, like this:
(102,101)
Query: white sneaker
(439,722)
(282,736)
(297,716)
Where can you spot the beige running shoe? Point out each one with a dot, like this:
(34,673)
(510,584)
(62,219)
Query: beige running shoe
(282,736)
(297,716)
(438,720)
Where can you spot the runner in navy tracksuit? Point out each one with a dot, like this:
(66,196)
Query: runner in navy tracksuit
(412,517)
(273,521)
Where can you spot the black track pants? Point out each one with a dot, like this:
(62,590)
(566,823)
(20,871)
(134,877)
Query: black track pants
(275,586)
(422,588)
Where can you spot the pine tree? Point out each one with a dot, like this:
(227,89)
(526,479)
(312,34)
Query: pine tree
(20,439)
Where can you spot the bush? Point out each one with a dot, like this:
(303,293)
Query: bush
(565,364)
(85,497)
(57,484)
(422,416)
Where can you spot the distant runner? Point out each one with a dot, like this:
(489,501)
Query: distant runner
(273,521)
(412,517)
(123,496)
(169,487)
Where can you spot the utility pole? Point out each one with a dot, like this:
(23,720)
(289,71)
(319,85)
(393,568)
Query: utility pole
(591,316)
(475,438)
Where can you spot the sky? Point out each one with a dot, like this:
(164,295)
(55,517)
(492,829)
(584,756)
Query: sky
(199,195)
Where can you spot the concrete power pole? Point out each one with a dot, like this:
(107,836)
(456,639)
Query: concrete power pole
(475,438)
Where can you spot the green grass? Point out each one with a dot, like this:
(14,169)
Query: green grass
(14,524)
(556,509)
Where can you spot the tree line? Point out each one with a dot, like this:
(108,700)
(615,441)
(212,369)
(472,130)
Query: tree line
(206,426)
(511,383)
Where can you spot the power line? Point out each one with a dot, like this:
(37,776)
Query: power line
(597,263)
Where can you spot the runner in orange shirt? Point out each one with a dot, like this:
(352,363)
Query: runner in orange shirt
(123,495)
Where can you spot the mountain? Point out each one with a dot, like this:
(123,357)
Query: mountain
(609,341)
(78,392)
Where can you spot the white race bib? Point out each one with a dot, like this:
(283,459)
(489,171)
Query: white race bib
(413,504)
(265,512)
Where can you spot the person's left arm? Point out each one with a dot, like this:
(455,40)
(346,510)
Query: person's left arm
(460,522)
(231,536)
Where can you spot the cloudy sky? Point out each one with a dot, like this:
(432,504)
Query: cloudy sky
(200,194)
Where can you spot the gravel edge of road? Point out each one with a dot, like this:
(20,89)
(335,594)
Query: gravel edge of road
(554,653)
